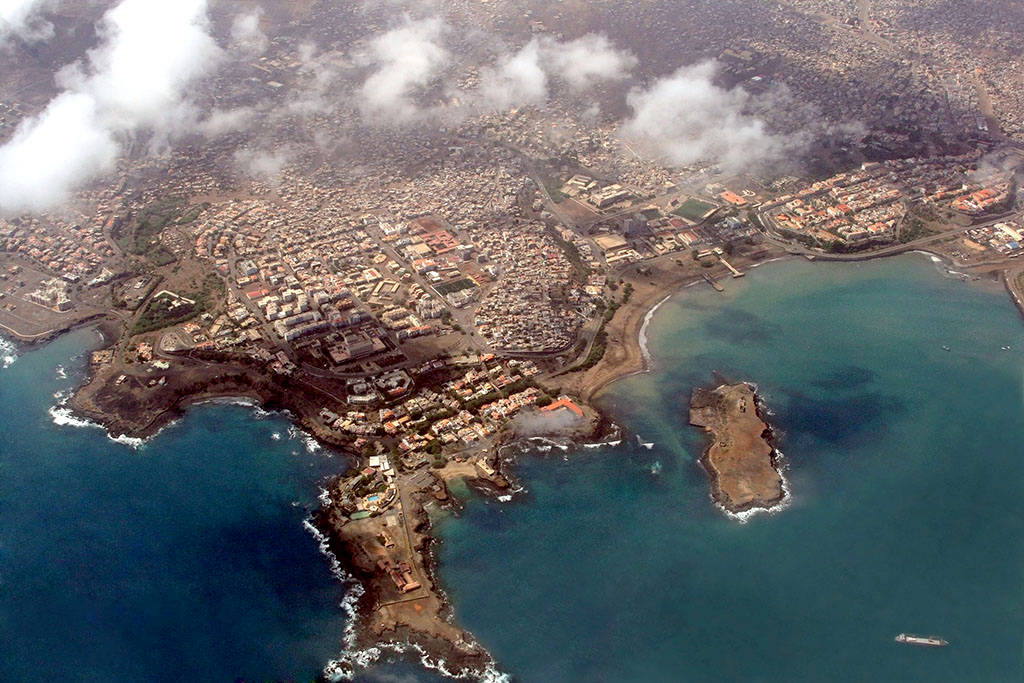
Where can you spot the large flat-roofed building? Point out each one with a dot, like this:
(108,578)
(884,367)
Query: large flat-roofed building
(355,345)
(612,194)
(610,242)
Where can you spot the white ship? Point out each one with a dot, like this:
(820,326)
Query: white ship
(928,641)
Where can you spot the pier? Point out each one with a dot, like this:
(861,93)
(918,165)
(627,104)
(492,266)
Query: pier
(721,257)
(735,273)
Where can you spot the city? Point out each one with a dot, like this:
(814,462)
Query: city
(422,272)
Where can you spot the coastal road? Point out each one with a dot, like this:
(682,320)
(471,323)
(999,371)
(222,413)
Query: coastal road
(405,485)
(799,249)
(1014,278)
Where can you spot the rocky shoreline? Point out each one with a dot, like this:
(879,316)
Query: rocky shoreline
(425,622)
(740,459)
(443,645)
(753,483)
(384,618)
(118,411)
(422,620)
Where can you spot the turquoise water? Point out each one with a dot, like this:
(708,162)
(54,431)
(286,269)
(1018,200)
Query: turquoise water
(906,467)
(187,559)
(183,560)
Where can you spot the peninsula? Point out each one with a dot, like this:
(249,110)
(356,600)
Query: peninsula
(740,458)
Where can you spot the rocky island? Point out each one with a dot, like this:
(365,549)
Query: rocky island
(740,459)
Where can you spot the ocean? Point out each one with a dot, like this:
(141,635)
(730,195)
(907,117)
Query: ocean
(183,559)
(905,465)
(187,558)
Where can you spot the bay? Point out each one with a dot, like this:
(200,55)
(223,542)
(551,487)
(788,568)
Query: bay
(906,470)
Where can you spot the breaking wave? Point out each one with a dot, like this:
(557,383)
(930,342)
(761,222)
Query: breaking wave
(257,410)
(602,444)
(62,416)
(545,441)
(312,445)
(747,515)
(352,658)
(644,350)
(8,353)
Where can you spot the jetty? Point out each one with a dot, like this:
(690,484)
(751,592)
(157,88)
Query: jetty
(713,282)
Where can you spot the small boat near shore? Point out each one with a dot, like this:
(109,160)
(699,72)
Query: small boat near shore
(927,641)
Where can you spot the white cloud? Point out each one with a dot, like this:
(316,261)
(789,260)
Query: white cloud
(246,34)
(223,121)
(405,60)
(150,52)
(523,78)
(584,62)
(685,118)
(47,156)
(261,164)
(516,80)
(323,76)
(137,79)
(21,18)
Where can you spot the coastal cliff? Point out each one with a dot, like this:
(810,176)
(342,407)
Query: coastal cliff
(740,459)
(399,603)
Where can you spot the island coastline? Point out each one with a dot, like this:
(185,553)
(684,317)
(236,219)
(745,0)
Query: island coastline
(741,459)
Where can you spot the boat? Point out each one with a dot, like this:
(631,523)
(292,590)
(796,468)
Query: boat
(927,641)
(945,348)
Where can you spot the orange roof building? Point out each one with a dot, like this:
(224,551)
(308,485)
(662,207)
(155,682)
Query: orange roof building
(563,402)
(733,198)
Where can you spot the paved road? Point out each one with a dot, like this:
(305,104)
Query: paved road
(406,501)
(1015,283)
(797,248)
(463,316)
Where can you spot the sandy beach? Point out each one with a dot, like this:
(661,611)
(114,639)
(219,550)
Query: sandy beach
(652,282)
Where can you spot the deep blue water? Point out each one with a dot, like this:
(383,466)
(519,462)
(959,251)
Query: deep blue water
(183,560)
(906,465)
(187,560)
